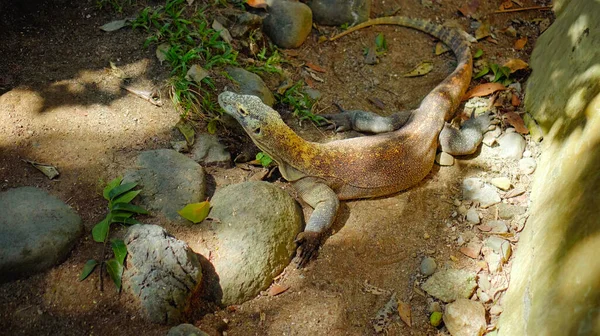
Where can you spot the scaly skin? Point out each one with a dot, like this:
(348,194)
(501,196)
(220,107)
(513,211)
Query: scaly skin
(363,167)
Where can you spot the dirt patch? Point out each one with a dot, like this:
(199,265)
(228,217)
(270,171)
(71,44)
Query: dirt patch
(60,105)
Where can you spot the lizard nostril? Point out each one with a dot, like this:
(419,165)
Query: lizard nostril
(257,131)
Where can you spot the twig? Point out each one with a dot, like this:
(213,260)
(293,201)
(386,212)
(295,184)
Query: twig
(523,9)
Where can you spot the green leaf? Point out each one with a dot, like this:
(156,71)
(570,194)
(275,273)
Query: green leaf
(130,208)
(121,189)
(88,268)
(264,158)
(478,53)
(494,68)
(119,249)
(505,71)
(127,197)
(195,212)
(507,81)
(110,186)
(380,42)
(115,270)
(187,130)
(212,126)
(125,220)
(482,73)
(100,230)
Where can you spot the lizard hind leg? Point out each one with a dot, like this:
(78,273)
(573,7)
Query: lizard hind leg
(365,121)
(466,140)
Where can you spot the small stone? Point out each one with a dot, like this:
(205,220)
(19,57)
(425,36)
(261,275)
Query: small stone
(493,261)
(288,23)
(527,153)
(434,306)
(449,285)
(527,165)
(496,310)
(472,249)
(483,296)
(457,202)
(511,146)
(497,226)
(426,235)
(508,211)
(251,84)
(462,210)
(515,192)
(511,31)
(210,152)
(475,190)
(489,139)
(465,318)
(502,183)
(428,266)
(500,246)
(444,159)
(473,216)
(484,282)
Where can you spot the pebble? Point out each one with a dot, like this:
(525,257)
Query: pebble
(483,296)
(473,216)
(339,12)
(462,210)
(444,159)
(527,153)
(497,226)
(490,138)
(493,260)
(451,284)
(502,183)
(428,266)
(508,211)
(475,190)
(500,246)
(472,249)
(511,146)
(484,282)
(527,165)
(434,306)
(465,318)
(288,23)
(496,310)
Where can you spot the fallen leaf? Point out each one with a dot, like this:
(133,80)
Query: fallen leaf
(491,40)
(515,64)
(441,48)
(196,73)
(405,314)
(506,5)
(48,170)
(483,30)
(315,67)
(114,25)
(315,77)
(223,32)
(516,121)
(520,43)
(277,289)
(470,8)
(478,53)
(482,90)
(518,2)
(195,212)
(420,70)
(514,100)
(484,228)
(186,130)
(257,3)
(291,53)
(311,84)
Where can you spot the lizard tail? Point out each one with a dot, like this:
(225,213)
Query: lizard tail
(447,95)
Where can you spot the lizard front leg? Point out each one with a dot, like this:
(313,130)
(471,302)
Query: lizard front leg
(325,203)
(365,121)
(465,140)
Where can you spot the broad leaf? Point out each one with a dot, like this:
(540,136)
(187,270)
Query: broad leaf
(478,53)
(380,42)
(482,73)
(110,186)
(264,159)
(115,270)
(100,230)
(125,220)
(127,197)
(195,212)
(130,208)
(119,249)
(125,214)
(88,268)
(123,188)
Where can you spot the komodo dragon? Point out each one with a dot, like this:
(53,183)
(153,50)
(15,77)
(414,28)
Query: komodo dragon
(397,157)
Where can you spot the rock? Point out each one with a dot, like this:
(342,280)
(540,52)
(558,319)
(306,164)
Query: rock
(496,310)
(256,227)
(251,84)
(186,330)
(492,259)
(245,22)
(170,181)
(210,152)
(502,183)
(472,249)
(500,246)
(434,306)
(490,138)
(462,210)
(444,159)
(527,165)
(508,211)
(37,231)
(339,12)
(288,23)
(475,190)
(428,266)
(449,285)
(483,296)
(511,146)
(473,216)
(163,273)
(465,318)
(497,226)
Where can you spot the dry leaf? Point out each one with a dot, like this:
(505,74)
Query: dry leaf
(315,77)
(516,121)
(544,24)
(483,30)
(420,70)
(506,5)
(315,67)
(491,40)
(515,64)
(404,311)
(484,90)
(277,289)
(470,8)
(309,82)
(514,100)
(257,3)
(520,43)
(440,48)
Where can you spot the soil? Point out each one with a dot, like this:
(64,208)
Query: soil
(61,105)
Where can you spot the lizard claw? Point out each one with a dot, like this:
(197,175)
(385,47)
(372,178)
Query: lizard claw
(308,247)
(339,122)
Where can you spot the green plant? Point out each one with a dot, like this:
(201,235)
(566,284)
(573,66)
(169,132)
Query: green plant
(501,73)
(264,159)
(267,64)
(300,102)
(116,5)
(121,211)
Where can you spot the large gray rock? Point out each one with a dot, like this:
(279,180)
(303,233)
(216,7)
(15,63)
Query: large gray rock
(256,227)
(163,273)
(474,189)
(449,285)
(210,152)
(465,318)
(37,231)
(251,84)
(339,12)
(288,23)
(186,330)
(170,181)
